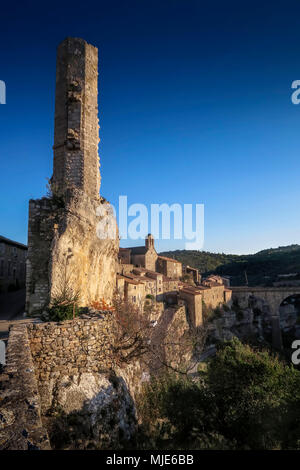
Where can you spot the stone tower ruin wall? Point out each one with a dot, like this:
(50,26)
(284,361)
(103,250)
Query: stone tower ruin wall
(63,244)
(76,128)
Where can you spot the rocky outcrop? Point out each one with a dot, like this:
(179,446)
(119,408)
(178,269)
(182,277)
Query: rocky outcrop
(72,235)
(61,381)
(71,249)
(251,318)
(66,381)
(80,258)
(91,411)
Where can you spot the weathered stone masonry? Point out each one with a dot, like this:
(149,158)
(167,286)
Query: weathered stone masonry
(20,406)
(69,349)
(76,132)
(42,360)
(63,247)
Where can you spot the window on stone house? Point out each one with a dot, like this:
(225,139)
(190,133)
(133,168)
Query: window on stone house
(134,298)
(9,268)
(2,248)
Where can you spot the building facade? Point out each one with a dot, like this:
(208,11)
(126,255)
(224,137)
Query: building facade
(143,274)
(12,264)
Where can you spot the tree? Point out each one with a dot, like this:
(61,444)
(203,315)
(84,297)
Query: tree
(167,343)
(246,399)
(254,393)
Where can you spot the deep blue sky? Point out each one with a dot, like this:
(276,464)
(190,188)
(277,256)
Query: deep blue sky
(194,107)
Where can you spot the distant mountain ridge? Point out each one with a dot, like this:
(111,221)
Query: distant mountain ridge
(261,268)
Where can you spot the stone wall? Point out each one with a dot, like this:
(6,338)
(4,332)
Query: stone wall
(20,407)
(70,244)
(194,306)
(41,222)
(65,252)
(271,296)
(214,296)
(169,267)
(56,371)
(75,347)
(69,348)
(60,369)
(76,130)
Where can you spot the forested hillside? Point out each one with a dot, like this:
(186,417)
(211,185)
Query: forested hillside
(261,268)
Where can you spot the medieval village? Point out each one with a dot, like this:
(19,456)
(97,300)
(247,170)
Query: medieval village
(106,330)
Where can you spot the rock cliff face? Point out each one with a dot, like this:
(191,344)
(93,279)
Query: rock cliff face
(66,251)
(80,260)
(60,382)
(245,321)
(91,411)
(72,238)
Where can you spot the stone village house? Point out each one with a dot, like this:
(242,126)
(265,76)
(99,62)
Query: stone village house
(12,264)
(143,273)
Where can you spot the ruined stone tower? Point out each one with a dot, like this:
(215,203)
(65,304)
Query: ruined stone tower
(76,130)
(65,255)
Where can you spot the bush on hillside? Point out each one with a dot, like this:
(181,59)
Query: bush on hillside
(246,399)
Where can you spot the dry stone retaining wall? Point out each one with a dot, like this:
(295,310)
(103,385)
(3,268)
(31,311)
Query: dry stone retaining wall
(47,363)
(20,407)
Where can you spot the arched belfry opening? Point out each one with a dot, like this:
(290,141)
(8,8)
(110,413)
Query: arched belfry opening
(149,241)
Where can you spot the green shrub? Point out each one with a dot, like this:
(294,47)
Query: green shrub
(63,312)
(150,296)
(245,399)
(174,414)
(257,397)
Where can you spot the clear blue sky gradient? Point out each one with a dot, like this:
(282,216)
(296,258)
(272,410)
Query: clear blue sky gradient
(194,107)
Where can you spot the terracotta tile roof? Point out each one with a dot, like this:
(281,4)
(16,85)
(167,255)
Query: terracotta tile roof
(128,278)
(140,278)
(213,284)
(192,269)
(132,281)
(184,285)
(190,291)
(144,270)
(169,259)
(147,279)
